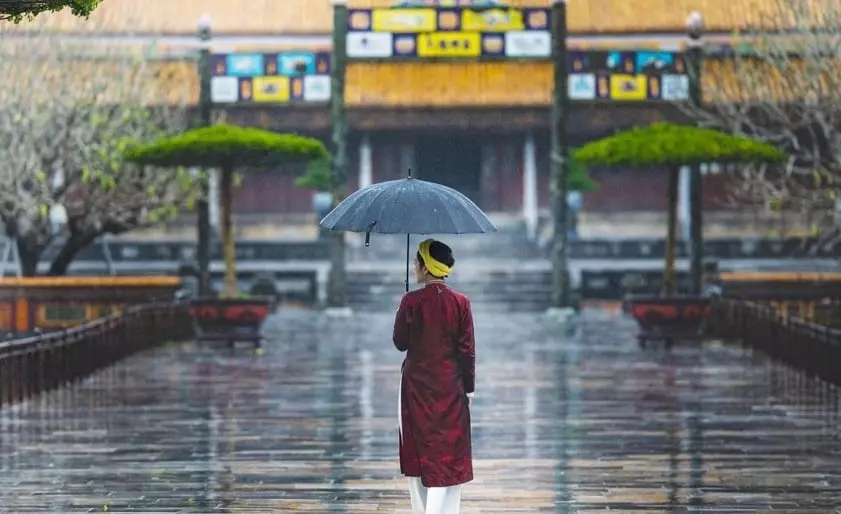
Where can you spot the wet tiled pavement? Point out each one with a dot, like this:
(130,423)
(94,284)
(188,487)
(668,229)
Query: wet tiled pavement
(582,423)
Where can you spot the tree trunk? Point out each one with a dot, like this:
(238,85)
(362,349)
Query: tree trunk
(228,243)
(67,254)
(670,277)
(29,258)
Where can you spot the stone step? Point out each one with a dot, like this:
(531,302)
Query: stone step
(497,291)
(510,244)
(478,307)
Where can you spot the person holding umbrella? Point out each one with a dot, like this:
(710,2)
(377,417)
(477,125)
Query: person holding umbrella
(434,326)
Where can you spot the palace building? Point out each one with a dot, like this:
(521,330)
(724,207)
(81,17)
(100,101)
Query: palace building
(460,95)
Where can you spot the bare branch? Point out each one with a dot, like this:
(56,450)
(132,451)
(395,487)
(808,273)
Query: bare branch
(783,86)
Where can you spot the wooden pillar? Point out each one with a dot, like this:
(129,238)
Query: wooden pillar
(337,282)
(559,159)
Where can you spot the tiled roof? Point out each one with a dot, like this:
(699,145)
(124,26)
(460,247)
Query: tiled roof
(277,17)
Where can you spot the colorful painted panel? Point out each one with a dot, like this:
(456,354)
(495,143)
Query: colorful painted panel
(278,78)
(442,32)
(628,76)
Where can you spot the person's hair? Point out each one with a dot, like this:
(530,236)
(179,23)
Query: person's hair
(440,252)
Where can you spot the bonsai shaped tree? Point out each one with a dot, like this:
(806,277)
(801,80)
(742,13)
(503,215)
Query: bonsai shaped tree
(227,147)
(17,10)
(673,146)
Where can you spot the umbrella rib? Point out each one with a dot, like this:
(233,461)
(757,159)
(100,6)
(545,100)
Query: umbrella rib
(479,222)
(395,200)
(469,209)
(453,219)
(373,202)
(366,223)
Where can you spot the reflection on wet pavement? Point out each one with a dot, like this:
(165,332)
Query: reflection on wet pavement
(587,423)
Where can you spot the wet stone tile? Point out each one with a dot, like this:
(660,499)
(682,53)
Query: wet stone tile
(582,423)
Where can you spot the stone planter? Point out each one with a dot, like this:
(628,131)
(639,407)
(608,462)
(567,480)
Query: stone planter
(230,320)
(668,318)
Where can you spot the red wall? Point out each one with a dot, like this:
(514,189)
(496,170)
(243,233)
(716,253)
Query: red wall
(275,192)
(268,192)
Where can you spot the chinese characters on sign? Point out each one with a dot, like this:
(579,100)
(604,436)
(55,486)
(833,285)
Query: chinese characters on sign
(627,76)
(448,33)
(288,77)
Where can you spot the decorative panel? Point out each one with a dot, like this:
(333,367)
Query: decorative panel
(500,32)
(280,78)
(627,76)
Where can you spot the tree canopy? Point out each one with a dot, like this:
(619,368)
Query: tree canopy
(224,145)
(17,10)
(667,144)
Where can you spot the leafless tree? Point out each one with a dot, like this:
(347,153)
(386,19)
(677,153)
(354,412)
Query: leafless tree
(68,107)
(781,83)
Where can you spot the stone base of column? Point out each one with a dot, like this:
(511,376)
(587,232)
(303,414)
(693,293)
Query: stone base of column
(338,312)
(561,315)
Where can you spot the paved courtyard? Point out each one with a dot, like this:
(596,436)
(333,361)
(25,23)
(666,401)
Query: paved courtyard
(562,423)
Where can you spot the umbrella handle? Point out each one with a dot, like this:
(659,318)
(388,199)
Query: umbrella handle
(368,234)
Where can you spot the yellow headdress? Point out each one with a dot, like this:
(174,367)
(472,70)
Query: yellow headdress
(436,268)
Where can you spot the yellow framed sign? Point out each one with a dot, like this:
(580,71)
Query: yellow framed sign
(438,32)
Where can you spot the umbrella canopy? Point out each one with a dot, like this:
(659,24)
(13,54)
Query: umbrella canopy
(667,144)
(227,146)
(408,206)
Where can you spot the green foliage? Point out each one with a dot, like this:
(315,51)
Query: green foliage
(18,10)
(579,178)
(112,180)
(666,144)
(318,176)
(227,146)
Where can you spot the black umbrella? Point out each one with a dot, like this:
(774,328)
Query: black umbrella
(407,206)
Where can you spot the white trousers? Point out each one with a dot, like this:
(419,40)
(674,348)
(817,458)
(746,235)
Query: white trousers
(434,500)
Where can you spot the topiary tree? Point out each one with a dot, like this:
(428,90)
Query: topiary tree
(17,10)
(672,146)
(579,177)
(318,176)
(227,147)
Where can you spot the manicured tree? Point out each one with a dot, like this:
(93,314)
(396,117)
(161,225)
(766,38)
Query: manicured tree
(227,148)
(17,10)
(672,146)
